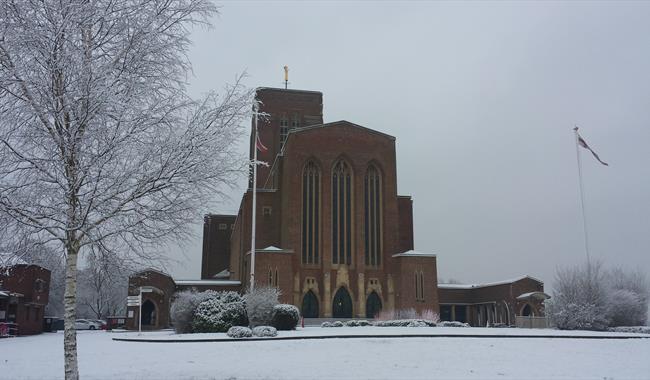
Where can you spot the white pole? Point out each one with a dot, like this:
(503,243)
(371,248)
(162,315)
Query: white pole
(253,208)
(582,198)
(140,313)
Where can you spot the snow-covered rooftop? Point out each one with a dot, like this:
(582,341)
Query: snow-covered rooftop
(207,282)
(271,249)
(471,286)
(537,295)
(413,253)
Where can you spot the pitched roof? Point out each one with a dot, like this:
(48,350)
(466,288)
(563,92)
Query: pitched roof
(340,122)
(471,286)
(413,253)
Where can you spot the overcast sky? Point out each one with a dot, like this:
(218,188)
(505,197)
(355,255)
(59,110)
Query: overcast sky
(482,98)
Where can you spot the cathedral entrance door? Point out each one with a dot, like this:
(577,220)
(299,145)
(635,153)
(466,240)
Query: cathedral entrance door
(342,305)
(310,305)
(373,305)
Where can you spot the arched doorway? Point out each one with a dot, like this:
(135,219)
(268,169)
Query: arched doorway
(310,305)
(148,313)
(373,305)
(342,305)
(527,311)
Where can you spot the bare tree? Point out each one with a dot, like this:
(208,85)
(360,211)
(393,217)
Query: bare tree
(104,287)
(100,145)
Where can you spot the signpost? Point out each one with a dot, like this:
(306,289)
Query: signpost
(137,301)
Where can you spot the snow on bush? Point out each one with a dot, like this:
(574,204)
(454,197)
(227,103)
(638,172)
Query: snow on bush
(406,323)
(239,332)
(357,322)
(285,317)
(183,308)
(631,329)
(220,313)
(259,305)
(264,331)
(588,298)
(404,314)
(627,298)
(337,324)
(326,324)
(452,324)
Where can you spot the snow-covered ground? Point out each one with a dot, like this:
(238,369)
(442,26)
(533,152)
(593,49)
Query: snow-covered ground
(41,357)
(382,331)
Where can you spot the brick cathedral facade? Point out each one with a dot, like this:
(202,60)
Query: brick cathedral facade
(332,231)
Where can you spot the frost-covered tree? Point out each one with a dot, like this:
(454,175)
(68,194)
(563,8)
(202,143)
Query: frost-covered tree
(259,304)
(103,287)
(580,298)
(628,293)
(100,144)
(588,297)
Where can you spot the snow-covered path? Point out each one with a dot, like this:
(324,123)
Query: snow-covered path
(41,357)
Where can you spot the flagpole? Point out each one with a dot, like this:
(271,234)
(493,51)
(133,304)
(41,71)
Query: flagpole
(582,196)
(253,208)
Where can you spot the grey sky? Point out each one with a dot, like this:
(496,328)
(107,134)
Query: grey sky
(482,98)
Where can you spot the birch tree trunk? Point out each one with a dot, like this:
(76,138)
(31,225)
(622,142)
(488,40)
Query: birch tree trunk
(70,313)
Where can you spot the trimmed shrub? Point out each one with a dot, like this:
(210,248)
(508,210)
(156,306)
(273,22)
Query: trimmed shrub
(259,305)
(265,331)
(406,323)
(183,307)
(285,317)
(220,313)
(452,324)
(337,324)
(356,323)
(239,332)
(631,329)
(326,324)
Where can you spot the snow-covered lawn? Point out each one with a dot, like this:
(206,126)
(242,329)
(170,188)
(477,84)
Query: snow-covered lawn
(41,357)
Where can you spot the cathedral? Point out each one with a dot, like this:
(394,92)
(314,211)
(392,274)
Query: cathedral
(332,231)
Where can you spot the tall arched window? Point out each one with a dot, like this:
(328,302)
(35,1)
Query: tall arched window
(419,286)
(372,208)
(341,213)
(310,213)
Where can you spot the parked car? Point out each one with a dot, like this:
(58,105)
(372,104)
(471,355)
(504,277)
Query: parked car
(87,324)
(102,323)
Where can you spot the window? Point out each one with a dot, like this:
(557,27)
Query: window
(270,277)
(373,214)
(419,286)
(284,130)
(295,122)
(223,226)
(341,213)
(310,213)
(266,210)
(276,279)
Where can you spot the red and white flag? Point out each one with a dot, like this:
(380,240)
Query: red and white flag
(259,145)
(584,144)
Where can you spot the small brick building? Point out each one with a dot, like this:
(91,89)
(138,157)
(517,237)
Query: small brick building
(24,294)
(492,303)
(332,231)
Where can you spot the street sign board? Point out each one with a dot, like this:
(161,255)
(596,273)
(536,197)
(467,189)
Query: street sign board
(146,289)
(133,298)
